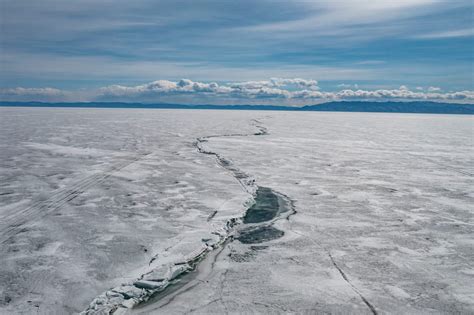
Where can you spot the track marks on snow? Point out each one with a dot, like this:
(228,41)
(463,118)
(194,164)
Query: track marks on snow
(14,223)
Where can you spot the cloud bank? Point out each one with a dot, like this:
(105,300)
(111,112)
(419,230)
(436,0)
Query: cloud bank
(273,91)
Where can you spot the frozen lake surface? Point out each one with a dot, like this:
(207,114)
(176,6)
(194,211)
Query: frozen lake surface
(235,212)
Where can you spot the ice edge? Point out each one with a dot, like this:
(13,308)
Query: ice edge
(121,298)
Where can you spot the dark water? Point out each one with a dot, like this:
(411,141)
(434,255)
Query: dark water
(267,206)
(259,234)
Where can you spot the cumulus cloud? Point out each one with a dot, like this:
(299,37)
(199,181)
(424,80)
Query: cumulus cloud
(311,84)
(163,87)
(276,88)
(348,86)
(404,93)
(273,90)
(276,83)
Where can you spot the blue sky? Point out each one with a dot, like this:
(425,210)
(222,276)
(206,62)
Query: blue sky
(88,50)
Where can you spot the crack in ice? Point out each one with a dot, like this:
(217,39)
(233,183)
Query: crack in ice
(128,295)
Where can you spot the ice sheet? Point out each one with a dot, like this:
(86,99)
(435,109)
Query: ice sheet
(384,209)
(384,222)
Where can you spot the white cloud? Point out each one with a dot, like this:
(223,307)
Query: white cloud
(447,34)
(163,87)
(348,86)
(403,88)
(32,91)
(276,82)
(404,94)
(312,84)
(346,17)
(276,90)
(252,84)
(272,88)
(33,94)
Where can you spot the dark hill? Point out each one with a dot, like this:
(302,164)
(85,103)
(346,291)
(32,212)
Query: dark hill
(344,106)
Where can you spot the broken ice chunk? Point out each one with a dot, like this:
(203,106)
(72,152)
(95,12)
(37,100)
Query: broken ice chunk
(149,285)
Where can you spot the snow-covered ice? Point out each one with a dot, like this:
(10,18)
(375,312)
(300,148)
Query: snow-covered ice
(101,204)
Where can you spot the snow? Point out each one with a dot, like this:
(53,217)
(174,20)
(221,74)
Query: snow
(102,197)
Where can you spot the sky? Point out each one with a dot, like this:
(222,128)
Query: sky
(236,52)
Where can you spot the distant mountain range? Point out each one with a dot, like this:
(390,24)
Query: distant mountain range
(344,106)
